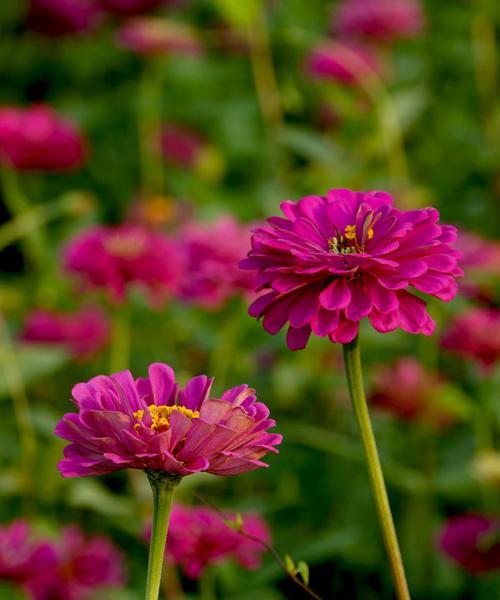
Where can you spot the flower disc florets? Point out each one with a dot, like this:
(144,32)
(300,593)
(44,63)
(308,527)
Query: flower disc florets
(332,261)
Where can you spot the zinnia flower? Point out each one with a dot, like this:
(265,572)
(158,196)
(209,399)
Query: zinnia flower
(37,138)
(152,424)
(212,255)
(481,264)
(475,335)
(114,257)
(407,390)
(21,557)
(473,541)
(181,146)
(342,62)
(380,20)
(129,8)
(62,17)
(332,261)
(199,537)
(152,36)
(84,566)
(83,332)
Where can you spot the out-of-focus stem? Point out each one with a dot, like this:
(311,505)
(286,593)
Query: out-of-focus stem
(207,585)
(149,125)
(223,353)
(163,487)
(22,413)
(352,361)
(120,340)
(34,246)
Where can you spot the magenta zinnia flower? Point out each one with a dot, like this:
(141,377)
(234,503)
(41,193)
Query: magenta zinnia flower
(84,332)
(332,261)
(199,537)
(21,557)
(473,541)
(342,62)
(62,17)
(113,258)
(152,36)
(481,264)
(411,393)
(475,335)
(36,138)
(84,567)
(212,256)
(380,20)
(153,424)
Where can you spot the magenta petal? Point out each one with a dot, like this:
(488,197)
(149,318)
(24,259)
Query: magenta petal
(297,339)
(336,295)
(162,380)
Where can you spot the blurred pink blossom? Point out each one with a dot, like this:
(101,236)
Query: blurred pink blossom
(481,264)
(37,138)
(62,17)
(180,145)
(152,36)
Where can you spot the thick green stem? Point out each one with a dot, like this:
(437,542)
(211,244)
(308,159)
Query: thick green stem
(163,486)
(352,361)
(120,341)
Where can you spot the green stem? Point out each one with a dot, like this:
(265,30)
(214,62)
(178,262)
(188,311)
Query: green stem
(120,341)
(352,361)
(163,486)
(207,585)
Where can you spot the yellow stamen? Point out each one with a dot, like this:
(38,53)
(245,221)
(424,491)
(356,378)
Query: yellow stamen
(159,416)
(350,232)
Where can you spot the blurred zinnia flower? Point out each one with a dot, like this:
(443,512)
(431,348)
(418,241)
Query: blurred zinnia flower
(151,36)
(473,541)
(481,264)
(21,557)
(113,258)
(212,256)
(36,138)
(334,260)
(380,20)
(62,17)
(151,424)
(342,62)
(128,8)
(475,335)
(84,566)
(199,537)
(84,331)
(410,392)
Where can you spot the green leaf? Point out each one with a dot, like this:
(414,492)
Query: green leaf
(290,565)
(303,570)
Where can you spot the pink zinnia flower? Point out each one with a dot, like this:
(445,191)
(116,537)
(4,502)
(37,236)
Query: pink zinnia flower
(181,146)
(199,537)
(332,261)
(342,62)
(113,258)
(410,392)
(475,335)
(152,36)
(481,264)
(129,8)
(380,20)
(21,557)
(212,255)
(84,566)
(84,332)
(36,138)
(62,17)
(152,424)
(473,541)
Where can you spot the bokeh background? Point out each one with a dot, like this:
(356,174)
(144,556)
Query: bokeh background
(228,116)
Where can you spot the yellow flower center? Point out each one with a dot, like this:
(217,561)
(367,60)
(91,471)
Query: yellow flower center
(160,414)
(348,243)
(126,245)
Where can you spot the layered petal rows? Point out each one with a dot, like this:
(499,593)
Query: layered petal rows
(151,423)
(332,261)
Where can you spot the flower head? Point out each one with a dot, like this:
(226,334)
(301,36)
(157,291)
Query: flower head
(407,390)
(113,258)
(380,20)
(36,138)
(84,332)
(129,8)
(84,565)
(181,146)
(213,252)
(199,536)
(473,541)
(62,17)
(332,261)
(21,557)
(152,36)
(342,62)
(475,334)
(153,424)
